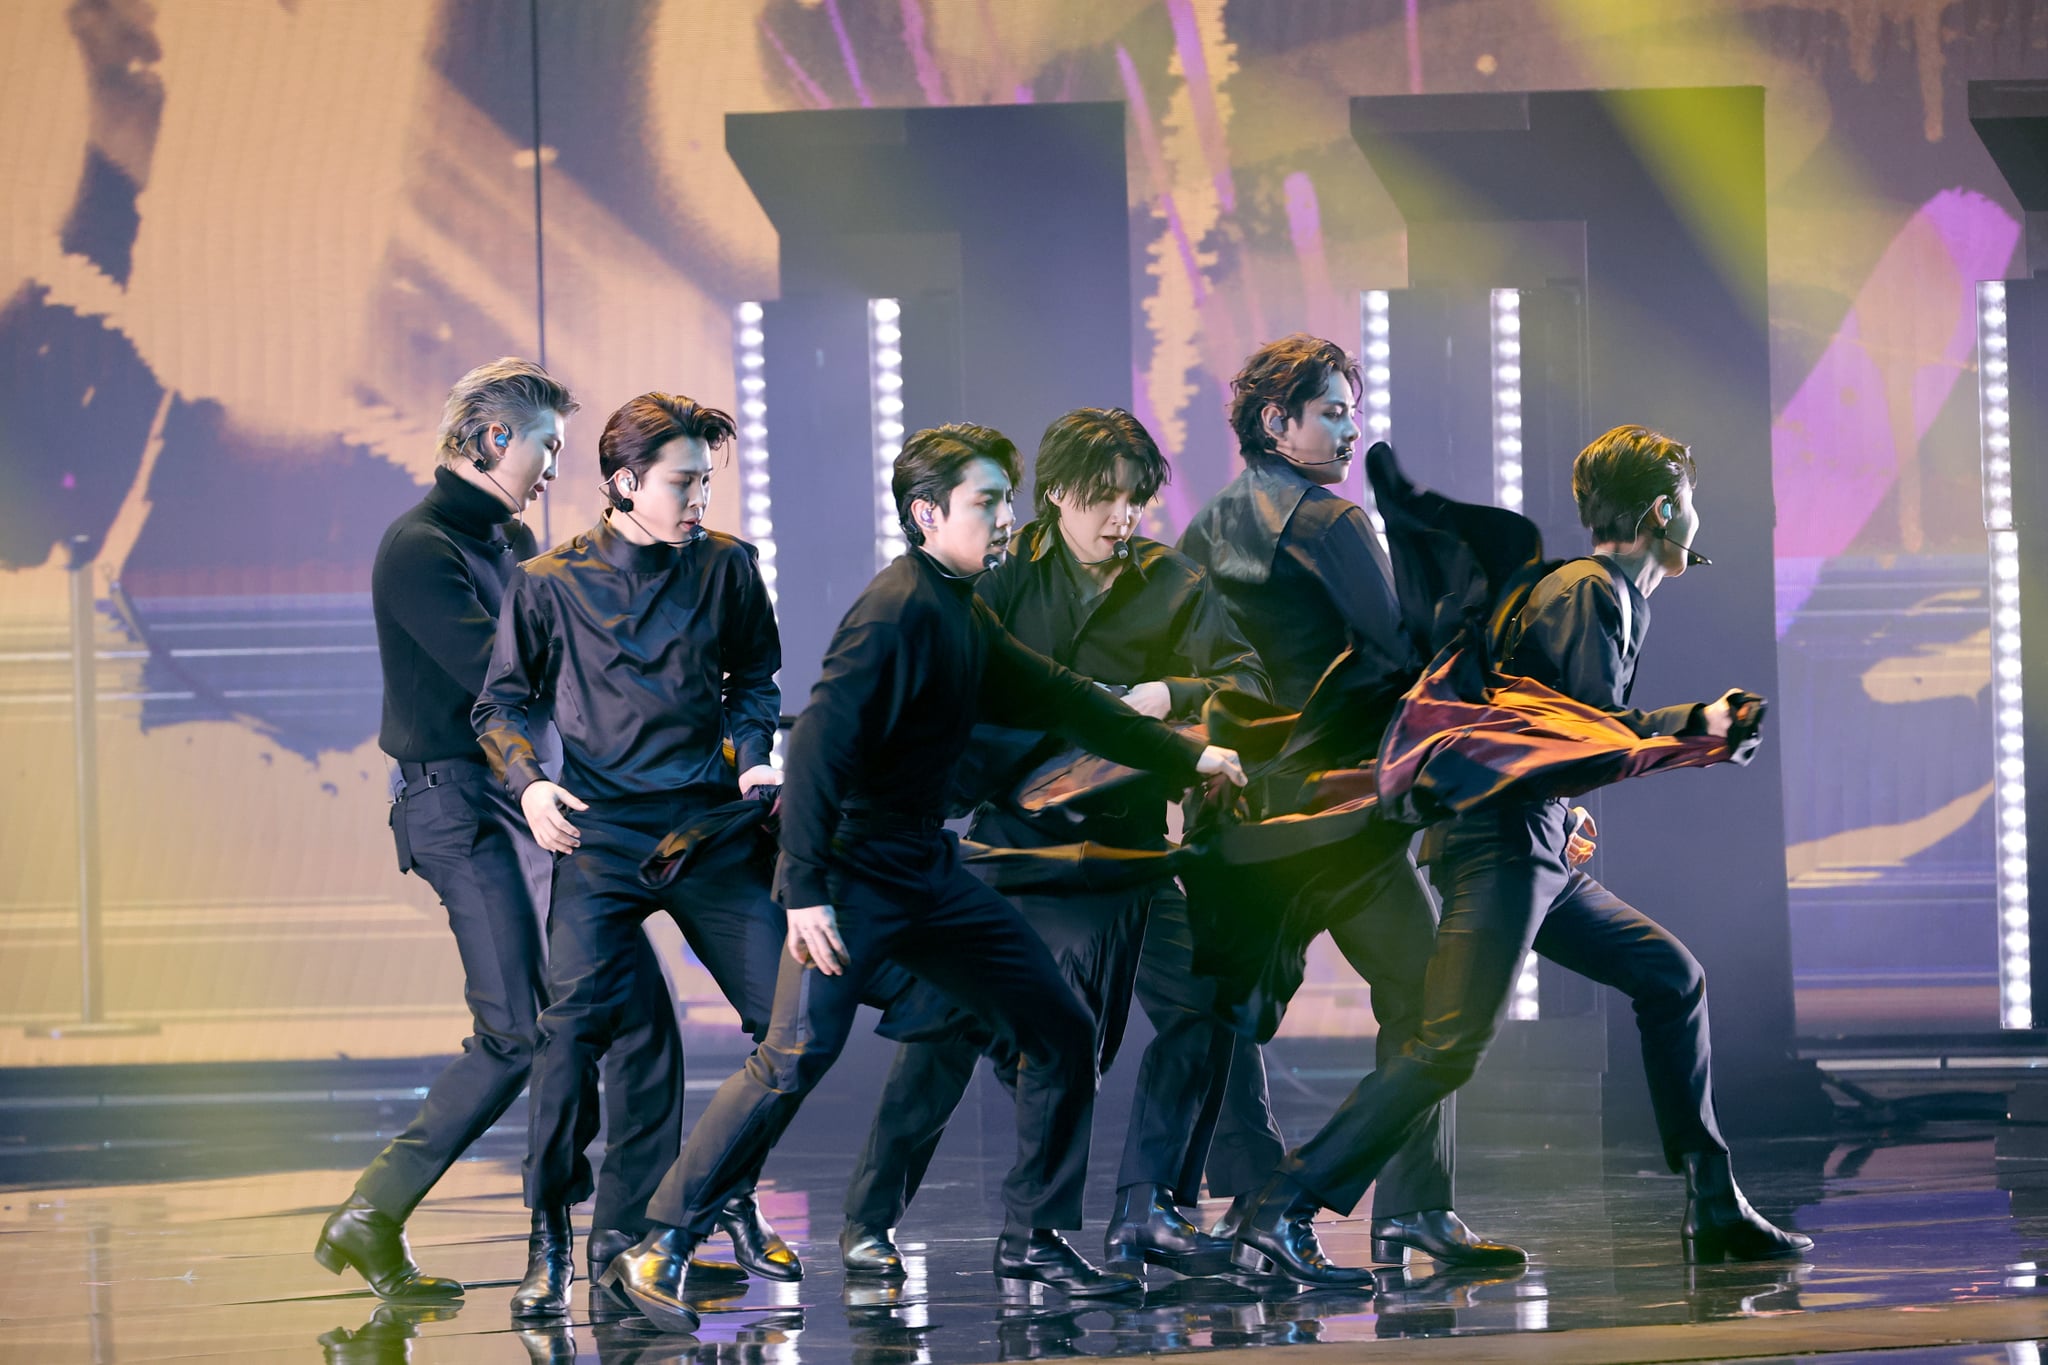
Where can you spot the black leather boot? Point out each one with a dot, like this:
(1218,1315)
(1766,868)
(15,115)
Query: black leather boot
(1147,1227)
(550,1267)
(869,1253)
(373,1244)
(650,1274)
(1278,1239)
(1041,1256)
(755,1245)
(1719,1223)
(1440,1235)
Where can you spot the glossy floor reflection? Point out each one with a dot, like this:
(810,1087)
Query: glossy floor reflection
(1920,1258)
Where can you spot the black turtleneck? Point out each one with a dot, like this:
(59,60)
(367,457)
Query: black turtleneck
(439,576)
(916,662)
(651,657)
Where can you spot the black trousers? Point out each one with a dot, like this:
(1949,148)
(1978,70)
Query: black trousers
(608,1000)
(908,900)
(459,830)
(1094,939)
(1202,1097)
(1506,888)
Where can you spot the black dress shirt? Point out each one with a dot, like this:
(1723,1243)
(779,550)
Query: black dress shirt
(916,661)
(651,656)
(1160,619)
(435,590)
(1569,636)
(1303,572)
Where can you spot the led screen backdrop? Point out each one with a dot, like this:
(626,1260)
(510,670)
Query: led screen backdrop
(245,246)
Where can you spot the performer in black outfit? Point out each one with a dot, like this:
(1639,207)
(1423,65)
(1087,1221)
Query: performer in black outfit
(654,642)
(870,876)
(1079,587)
(1509,881)
(1306,577)
(435,589)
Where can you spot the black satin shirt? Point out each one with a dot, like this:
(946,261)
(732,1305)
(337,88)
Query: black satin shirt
(651,656)
(917,660)
(1569,636)
(1303,572)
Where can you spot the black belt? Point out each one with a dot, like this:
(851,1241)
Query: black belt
(891,822)
(431,773)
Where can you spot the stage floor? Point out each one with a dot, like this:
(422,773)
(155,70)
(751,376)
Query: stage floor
(1920,1257)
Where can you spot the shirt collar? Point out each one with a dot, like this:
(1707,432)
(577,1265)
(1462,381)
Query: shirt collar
(469,509)
(621,553)
(1252,514)
(961,585)
(1042,540)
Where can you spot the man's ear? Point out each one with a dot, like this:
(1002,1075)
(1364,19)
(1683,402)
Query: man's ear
(1273,419)
(924,512)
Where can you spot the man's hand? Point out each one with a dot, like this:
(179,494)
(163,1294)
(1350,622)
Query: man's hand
(1721,715)
(1215,760)
(814,940)
(543,802)
(1150,699)
(760,775)
(1578,846)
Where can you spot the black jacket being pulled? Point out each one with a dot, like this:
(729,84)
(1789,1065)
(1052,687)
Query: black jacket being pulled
(1161,619)
(1570,635)
(917,660)
(651,657)
(1303,572)
(435,589)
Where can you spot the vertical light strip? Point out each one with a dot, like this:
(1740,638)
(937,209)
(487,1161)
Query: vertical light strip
(1506,315)
(1507,398)
(1994,427)
(885,412)
(1376,333)
(757,510)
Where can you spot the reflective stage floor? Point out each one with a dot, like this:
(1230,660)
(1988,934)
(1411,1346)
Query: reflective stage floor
(1920,1257)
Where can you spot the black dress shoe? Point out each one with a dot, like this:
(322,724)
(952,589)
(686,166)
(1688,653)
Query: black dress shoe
(1440,1235)
(1146,1227)
(603,1245)
(1719,1223)
(550,1267)
(869,1254)
(650,1274)
(373,1244)
(1042,1256)
(1278,1240)
(755,1244)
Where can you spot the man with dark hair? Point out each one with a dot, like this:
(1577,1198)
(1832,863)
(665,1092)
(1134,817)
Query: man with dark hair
(435,590)
(870,876)
(652,640)
(1082,588)
(1510,881)
(1307,578)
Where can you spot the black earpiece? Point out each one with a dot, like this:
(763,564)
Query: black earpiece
(613,496)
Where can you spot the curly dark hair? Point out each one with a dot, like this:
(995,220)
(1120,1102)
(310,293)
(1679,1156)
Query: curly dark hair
(1288,374)
(935,460)
(1622,475)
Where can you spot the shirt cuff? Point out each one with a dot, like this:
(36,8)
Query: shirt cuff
(521,773)
(800,885)
(752,750)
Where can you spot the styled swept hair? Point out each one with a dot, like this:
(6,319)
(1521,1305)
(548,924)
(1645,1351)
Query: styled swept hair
(642,426)
(1622,475)
(1288,374)
(935,460)
(510,392)
(1080,453)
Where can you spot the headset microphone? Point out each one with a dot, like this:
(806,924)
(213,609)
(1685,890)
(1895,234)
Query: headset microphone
(1692,556)
(485,468)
